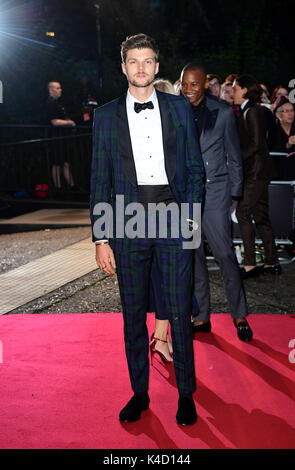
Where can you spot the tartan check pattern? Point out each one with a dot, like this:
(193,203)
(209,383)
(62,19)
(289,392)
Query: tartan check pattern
(174,267)
(107,174)
(134,257)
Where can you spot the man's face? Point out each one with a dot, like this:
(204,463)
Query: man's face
(239,93)
(140,67)
(214,87)
(285,113)
(193,85)
(55,90)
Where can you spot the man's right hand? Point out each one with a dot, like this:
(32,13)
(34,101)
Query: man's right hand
(105,258)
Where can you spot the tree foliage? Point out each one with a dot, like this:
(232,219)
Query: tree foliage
(229,36)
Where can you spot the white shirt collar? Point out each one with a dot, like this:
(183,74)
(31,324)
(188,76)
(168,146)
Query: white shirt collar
(131,100)
(244,104)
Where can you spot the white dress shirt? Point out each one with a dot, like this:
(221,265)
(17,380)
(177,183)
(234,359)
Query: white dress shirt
(244,104)
(147,142)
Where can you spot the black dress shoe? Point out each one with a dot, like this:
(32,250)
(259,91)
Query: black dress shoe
(276,269)
(244,331)
(254,272)
(186,413)
(203,328)
(132,411)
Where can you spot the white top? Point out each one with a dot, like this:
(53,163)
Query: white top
(147,142)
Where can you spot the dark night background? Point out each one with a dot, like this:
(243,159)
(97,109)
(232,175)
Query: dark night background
(253,37)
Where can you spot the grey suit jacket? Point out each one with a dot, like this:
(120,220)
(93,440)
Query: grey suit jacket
(220,147)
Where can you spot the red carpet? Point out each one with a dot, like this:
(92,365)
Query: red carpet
(64,380)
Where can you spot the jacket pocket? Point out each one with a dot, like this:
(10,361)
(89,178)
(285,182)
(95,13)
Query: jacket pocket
(221,174)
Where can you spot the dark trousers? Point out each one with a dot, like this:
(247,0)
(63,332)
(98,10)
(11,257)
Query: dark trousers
(254,205)
(174,266)
(216,228)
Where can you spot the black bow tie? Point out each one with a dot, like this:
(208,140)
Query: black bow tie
(140,106)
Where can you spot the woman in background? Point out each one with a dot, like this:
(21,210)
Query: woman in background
(160,341)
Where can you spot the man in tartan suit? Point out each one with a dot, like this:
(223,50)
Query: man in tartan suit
(145,149)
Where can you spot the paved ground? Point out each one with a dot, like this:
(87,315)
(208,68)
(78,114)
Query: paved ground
(97,292)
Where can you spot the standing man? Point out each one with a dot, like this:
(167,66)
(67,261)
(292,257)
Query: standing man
(58,118)
(146,150)
(220,147)
(257,171)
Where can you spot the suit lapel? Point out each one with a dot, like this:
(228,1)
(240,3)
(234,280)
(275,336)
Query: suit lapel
(169,136)
(124,142)
(210,117)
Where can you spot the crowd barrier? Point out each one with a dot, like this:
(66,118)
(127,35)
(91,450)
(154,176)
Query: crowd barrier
(28,153)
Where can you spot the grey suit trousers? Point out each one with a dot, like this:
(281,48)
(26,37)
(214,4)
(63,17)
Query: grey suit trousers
(216,228)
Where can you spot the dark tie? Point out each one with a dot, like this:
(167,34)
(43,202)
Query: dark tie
(140,106)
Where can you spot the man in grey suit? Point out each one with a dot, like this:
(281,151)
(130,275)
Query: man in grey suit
(220,147)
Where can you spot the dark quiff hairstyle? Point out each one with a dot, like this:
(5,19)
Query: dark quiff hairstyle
(193,66)
(254,90)
(139,41)
(211,76)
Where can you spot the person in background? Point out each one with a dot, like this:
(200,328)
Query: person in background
(284,138)
(227,93)
(220,148)
(85,102)
(176,86)
(165,86)
(279,91)
(257,170)
(230,79)
(214,84)
(163,347)
(59,119)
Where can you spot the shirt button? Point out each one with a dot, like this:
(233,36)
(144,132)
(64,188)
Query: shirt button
(207,163)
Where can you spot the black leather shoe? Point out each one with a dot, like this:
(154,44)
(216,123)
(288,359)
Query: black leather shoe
(254,272)
(276,269)
(244,331)
(132,411)
(203,328)
(186,413)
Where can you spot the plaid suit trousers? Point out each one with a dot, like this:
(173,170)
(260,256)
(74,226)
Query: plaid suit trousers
(175,268)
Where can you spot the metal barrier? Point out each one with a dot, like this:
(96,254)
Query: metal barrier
(38,155)
(284,165)
(33,155)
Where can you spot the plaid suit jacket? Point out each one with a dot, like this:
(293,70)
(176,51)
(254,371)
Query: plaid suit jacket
(113,169)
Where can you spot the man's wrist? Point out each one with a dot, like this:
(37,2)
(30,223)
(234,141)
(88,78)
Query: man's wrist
(102,242)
